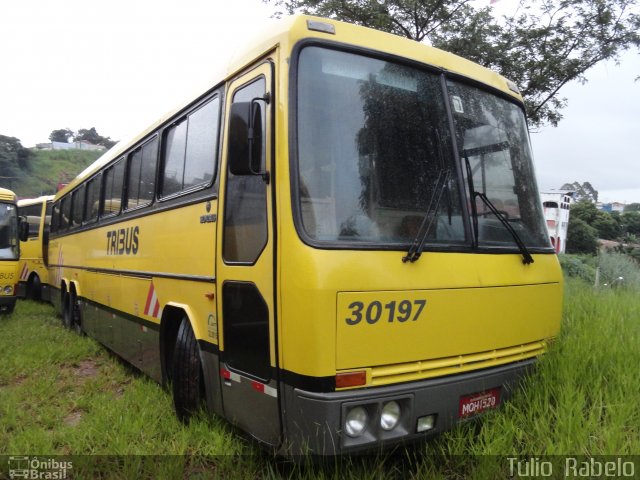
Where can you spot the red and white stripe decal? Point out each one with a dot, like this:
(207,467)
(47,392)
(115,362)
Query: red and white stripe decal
(229,375)
(257,386)
(24,274)
(152,307)
(263,388)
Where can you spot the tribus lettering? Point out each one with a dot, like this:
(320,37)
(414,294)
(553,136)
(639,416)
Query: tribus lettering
(123,241)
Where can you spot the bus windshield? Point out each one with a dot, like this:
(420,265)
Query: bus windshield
(492,139)
(375,140)
(9,247)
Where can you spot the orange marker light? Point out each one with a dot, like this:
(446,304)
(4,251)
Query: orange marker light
(351,379)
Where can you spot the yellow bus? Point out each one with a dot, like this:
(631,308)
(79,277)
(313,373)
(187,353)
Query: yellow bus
(34,276)
(9,250)
(338,245)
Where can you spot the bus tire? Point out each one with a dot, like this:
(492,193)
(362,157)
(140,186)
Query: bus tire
(34,288)
(67,316)
(186,373)
(76,314)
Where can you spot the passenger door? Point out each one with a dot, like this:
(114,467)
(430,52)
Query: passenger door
(245,270)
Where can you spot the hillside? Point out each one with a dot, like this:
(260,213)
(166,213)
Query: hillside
(48,168)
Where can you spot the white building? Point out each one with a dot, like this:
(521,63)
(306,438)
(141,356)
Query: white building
(556,204)
(79,145)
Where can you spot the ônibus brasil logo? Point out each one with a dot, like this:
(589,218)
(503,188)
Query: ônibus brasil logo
(39,468)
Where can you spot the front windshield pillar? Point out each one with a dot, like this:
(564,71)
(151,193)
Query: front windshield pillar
(466,218)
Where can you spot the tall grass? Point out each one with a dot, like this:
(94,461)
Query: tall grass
(63,394)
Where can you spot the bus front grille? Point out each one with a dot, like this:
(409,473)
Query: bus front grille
(412,371)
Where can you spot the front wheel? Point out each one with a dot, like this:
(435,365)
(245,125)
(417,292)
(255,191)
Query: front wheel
(34,288)
(186,373)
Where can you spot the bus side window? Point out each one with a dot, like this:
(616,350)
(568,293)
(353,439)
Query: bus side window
(92,203)
(65,213)
(190,152)
(77,206)
(55,217)
(245,221)
(112,191)
(141,179)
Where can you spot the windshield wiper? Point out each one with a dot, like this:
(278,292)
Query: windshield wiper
(526,256)
(415,250)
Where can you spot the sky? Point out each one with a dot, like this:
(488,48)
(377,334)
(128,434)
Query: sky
(119,65)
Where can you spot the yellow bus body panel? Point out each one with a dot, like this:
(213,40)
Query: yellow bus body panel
(165,247)
(457,321)
(474,303)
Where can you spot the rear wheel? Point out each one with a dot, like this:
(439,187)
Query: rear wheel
(67,319)
(186,373)
(76,315)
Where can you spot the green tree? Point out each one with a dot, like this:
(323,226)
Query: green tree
(581,237)
(585,211)
(92,136)
(607,226)
(631,223)
(584,191)
(541,47)
(14,159)
(61,135)
(632,207)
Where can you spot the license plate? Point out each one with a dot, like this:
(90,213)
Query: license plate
(477,403)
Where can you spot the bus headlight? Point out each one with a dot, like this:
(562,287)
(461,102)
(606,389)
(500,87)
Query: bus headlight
(390,415)
(426,423)
(356,421)
(8,290)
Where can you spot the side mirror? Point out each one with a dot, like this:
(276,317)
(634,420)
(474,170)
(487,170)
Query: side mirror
(245,138)
(23,229)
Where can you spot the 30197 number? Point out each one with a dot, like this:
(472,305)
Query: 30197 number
(394,311)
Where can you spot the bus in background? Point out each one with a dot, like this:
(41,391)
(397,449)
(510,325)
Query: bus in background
(34,276)
(338,245)
(9,250)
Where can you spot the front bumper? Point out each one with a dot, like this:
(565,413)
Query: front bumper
(7,303)
(313,421)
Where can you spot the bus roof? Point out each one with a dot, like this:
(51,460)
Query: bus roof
(289,31)
(7,195)
(25,202)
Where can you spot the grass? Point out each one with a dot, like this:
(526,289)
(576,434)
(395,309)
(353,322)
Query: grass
(65,395)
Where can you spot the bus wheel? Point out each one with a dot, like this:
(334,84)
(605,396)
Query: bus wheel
(34,288)
(186,373)
(67,319)
(76,314)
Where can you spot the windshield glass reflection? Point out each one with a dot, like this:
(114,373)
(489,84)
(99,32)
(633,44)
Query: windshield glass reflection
(373,137)
(375,143)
